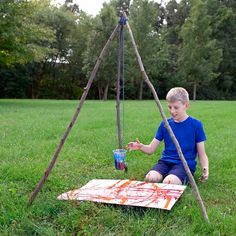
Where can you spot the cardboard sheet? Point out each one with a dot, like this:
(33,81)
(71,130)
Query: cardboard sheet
(127,192)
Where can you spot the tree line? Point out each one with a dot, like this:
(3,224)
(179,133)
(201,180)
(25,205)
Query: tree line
(49,51)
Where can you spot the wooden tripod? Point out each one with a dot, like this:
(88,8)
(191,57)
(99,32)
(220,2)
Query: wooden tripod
(83,97)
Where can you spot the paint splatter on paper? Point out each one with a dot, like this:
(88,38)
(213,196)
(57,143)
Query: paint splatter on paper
(127,192)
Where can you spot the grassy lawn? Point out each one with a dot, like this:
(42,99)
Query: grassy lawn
(30,132)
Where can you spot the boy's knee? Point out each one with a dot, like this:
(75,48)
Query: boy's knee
(172,179)
(153,176)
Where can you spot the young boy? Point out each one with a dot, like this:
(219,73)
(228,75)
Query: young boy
(190,135)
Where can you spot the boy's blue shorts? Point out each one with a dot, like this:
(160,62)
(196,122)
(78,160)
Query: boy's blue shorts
(166,168)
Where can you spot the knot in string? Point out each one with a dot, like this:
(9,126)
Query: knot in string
(123,20)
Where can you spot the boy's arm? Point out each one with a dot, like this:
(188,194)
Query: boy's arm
(203,159)
(148,149)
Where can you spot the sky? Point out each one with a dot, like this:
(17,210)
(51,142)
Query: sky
(91,7)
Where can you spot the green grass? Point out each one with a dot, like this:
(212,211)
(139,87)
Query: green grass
(30,132)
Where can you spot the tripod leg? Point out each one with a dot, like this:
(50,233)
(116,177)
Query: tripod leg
(82,99)
(175,141)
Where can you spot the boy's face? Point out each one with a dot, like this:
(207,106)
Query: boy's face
(177,110)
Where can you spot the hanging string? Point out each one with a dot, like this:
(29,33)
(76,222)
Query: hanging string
(118,84)
(123,86)
(121,60)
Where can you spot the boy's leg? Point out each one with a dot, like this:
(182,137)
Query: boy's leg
(153,176)
(177,175)
(157,172)
(172,179)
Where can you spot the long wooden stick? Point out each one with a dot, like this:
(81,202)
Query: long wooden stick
(176,143)
(83,97)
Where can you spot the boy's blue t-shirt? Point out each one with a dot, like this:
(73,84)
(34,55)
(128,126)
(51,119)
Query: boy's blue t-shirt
(188,133)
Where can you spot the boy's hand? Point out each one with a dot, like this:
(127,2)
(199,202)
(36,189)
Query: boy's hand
(134,145)
(204,176)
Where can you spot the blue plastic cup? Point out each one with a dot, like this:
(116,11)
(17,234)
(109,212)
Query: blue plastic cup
(119,158)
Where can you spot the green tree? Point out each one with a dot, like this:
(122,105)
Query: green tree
(49,75)
(23,37)
(120,5)
(78,42)
(199,55)
(143,19)
(173,17)
(104,24)
(223,15)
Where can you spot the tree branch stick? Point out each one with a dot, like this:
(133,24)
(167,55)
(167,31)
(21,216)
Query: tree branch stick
(83,97)
(175,141)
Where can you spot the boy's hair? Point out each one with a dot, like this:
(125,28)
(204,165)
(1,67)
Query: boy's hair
(177,94)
